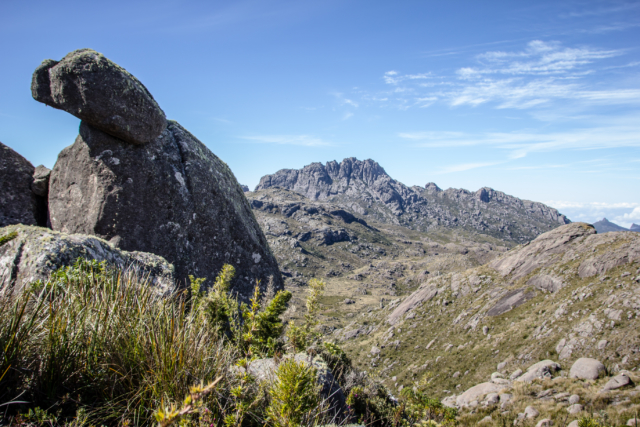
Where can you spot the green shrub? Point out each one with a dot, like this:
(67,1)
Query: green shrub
(301,337)
(294,394)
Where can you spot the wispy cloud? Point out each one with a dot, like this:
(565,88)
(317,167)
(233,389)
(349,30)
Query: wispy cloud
(621,213)
(539,74)
(520,144)
(303,140)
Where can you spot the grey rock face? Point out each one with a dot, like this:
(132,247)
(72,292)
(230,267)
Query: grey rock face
(510,301)
(36,252)
(172,197)
(586,368)
(91,87)
(364,187)
(18,203)
(540,370)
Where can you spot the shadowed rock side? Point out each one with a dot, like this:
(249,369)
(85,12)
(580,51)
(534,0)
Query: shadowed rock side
(364,187)
(91,87)
(19,203)
(31,253)
(172,197)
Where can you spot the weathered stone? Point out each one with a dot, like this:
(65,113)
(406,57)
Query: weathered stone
(475,392)
(573,399)
(40,185)
(36,252)
(172,197)
(424,293)
(492,399)
(510,301)
(573,423)
(586,368)
(546,282)
(619,381)
(18,203)
(633,422)
(545,423)
(101,93)
(531,412)
(576,408)
(540,370)
(515,374)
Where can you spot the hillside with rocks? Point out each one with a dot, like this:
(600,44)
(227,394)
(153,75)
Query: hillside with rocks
(569,294)
(365,188)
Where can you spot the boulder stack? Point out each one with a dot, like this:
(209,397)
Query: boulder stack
(144,183)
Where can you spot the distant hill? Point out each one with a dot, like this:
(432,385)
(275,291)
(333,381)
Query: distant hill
(605,226)
(365,188)
(635,227)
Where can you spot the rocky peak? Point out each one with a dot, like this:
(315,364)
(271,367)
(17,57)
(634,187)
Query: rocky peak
(365,188)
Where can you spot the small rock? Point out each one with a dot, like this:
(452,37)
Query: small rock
(586,368)
(531,412)
(496,375)
(375,350)
(456,374)
(348,301)
(617,382)
(501,365)
(545,423)
(515,374)
(573,423)
(505,397)
(574,398)
(602,344)
(575,408)
(485,330)
(40,184)
(486,419)
(633,422)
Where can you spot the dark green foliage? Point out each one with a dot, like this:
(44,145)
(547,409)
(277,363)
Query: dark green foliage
(8,237)
(294,394)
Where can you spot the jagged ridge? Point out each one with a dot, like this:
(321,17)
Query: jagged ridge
(365,187)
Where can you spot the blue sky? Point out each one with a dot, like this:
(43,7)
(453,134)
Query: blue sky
(540,99)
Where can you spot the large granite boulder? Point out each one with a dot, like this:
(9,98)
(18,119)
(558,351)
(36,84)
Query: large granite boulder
(91,87)
(145,184)
(586,368)
(18,203)
(172,197)
(30,253)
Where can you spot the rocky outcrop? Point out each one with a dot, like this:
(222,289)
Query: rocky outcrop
(30,253)
(20,201)
(364,187)
(586,368)
(144,186)
(101,93)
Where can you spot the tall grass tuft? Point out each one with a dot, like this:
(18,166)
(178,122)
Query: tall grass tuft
(103,342)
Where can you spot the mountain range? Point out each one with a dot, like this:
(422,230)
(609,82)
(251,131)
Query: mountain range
(365,188)
(606,226)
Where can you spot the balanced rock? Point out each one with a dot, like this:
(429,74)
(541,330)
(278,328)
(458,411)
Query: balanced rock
(586,368)
(91,87)
(18,203)
(476,392)
(172,197)
(32,253)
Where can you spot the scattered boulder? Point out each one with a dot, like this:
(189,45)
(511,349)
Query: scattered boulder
(34,253)
(576,408)
(586,368)
(18,203)
(515,374)
(573,423)
(531,412)
(101,93)
(545,282)
(545,423)
(540,370)
(492,399)
(573,399)
(633,422)
(619,381)
(476,392)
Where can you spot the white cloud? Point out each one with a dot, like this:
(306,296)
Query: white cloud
(303,140)
(538,75)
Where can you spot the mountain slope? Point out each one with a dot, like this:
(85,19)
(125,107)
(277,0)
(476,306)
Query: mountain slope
(568,294)
(364,187)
